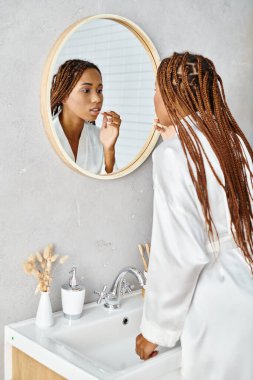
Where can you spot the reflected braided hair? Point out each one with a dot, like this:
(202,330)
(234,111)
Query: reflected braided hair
(190,82)
(65,80)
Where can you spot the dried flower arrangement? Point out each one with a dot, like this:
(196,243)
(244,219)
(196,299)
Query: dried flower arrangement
(40,266)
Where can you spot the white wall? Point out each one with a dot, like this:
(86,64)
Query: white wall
(97,223)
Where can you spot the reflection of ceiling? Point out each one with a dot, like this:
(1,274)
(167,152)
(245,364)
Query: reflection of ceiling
(128,79)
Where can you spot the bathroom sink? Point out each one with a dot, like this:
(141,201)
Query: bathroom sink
(101,344)
(109,343)
(107,338)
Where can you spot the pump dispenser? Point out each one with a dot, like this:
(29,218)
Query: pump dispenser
(73,296)
(73,281)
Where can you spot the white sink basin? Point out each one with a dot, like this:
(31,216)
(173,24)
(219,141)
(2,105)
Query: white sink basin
(102,343)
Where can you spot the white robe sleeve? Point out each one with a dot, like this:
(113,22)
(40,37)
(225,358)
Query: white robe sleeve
(178,252)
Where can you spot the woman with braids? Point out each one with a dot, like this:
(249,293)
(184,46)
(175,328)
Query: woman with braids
(76,101)
(200,282)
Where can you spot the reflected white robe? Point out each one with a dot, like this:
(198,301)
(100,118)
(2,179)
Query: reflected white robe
(90,154)
(197,292)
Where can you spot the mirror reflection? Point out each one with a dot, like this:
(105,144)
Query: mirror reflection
(76,102)
(102,88)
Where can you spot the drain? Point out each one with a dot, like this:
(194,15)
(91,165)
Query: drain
(125,321)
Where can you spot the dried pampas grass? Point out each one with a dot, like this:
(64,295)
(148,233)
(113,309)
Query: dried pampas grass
(40,266)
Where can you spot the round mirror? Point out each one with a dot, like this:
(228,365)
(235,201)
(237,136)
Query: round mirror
(97,96)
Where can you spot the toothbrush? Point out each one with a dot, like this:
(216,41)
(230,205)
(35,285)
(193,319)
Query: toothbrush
(142,256)
(147,245)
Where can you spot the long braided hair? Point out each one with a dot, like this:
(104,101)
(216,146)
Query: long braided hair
(65,80)
(191,82)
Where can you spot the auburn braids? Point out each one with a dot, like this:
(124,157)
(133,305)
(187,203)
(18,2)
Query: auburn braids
(189,83)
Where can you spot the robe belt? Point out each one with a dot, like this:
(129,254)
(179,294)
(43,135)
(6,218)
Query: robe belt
(224,243)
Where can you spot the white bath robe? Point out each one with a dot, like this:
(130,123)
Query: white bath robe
(90,154)
(197,292)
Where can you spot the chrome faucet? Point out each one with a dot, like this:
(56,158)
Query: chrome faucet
(119,287)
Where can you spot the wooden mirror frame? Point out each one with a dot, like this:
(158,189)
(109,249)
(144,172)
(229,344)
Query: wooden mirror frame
(46,86)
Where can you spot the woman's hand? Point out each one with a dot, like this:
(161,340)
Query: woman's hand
(109,131)
(165,131)
(144,348)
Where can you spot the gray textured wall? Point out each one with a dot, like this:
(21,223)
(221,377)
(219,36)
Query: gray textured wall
(97,223)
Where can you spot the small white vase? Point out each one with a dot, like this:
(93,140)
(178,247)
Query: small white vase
(44,316)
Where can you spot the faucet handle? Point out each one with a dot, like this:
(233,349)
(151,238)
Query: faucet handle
(102,294)
(125,287)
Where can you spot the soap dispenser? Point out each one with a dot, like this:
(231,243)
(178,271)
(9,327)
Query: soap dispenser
(72,295)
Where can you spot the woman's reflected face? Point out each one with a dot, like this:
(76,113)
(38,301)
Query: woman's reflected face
(86,99)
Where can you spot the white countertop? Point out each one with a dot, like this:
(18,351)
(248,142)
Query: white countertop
(38,344)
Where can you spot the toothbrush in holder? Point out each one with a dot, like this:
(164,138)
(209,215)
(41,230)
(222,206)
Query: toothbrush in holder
(141,250)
